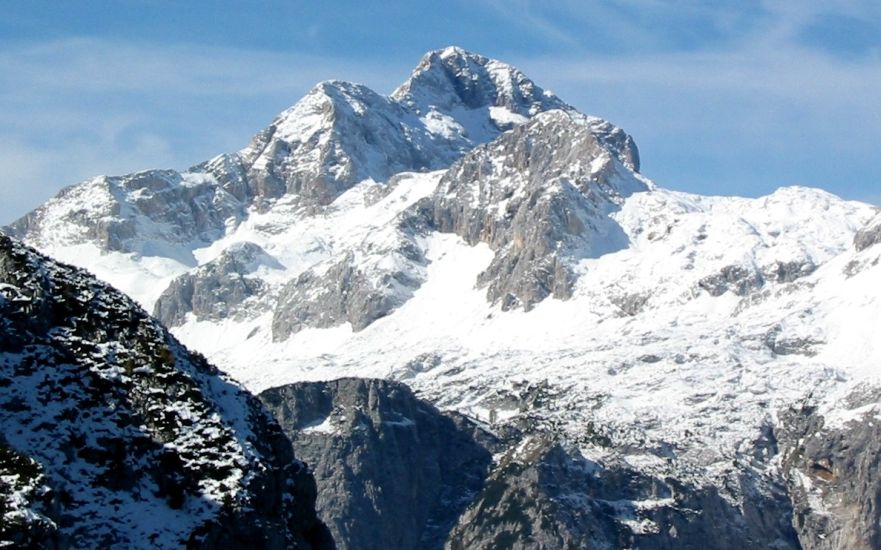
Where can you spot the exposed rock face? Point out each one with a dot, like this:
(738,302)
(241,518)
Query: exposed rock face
(834,473)
(133,213)
(217,288)
(377,450)
(869,235)
(541,496)
(738,279)
(348,290)
(540,196)
(452,81)
(787,272)
(116,435)
(392,471)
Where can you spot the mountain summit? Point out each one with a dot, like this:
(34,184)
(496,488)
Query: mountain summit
(338,135)
(452,81)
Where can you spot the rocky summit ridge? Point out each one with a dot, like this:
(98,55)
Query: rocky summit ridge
(640,352)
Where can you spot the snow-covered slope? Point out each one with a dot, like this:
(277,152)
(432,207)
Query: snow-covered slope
(477,238)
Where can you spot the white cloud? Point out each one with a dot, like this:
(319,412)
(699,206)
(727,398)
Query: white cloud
(76,108)
(744,115)
(92,65)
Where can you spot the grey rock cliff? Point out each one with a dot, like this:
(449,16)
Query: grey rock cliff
(392,471)
(115,435)
(452,81)
(133,213)
(378,450)
(834,474)
(215,290)
(540,495)
(346,290)
(540,196)
(869,235)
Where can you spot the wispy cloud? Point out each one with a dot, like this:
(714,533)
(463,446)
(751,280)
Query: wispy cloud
(92,65)
(523,14)
(746,114)
(76,108)
(736,97)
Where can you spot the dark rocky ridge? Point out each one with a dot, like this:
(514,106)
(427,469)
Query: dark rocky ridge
(378,450)
(393,472)
(542,496)
(116,435)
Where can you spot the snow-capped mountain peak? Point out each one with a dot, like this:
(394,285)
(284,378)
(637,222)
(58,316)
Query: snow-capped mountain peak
(453,81)
(477,237)
(452,77)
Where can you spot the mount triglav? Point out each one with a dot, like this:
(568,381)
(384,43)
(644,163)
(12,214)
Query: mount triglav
(595,361)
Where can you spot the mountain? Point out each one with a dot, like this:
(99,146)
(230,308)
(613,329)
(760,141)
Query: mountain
(115,435)
(473,236)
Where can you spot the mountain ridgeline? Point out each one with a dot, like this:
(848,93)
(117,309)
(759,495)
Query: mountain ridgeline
(474,318)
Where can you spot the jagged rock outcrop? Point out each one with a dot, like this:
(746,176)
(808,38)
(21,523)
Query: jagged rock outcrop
(356,288)
(869,235)
(115,435)
(540,196)
(540,495)
(377,450)
(343,133)
(452,81)
(743,280)
(738,279)
(392,471)
(216,289)
(833,469)
(155,212)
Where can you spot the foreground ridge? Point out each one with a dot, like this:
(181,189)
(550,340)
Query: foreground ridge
(115,435)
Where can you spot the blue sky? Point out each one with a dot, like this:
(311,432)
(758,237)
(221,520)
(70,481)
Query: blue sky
(722,97)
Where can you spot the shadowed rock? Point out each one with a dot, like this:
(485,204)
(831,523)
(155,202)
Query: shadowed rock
(868,235)
(216,289)
(392,471)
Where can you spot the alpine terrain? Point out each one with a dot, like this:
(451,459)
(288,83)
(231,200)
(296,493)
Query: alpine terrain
(483,327)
